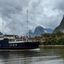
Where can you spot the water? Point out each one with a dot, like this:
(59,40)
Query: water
(43,56)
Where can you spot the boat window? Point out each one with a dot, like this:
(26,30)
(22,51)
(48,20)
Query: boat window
(0,45)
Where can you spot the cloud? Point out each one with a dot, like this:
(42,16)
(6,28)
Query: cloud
(13,14)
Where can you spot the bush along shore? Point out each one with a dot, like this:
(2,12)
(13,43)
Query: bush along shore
(53,40)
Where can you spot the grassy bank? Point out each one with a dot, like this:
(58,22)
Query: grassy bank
(51,46)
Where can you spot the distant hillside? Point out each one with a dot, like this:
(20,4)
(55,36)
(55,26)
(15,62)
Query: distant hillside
(48,30)
(40,30)
(1,33)
(60,27)
(30,33)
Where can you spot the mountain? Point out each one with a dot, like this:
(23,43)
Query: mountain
(60,28)
(30,33)
(48,30)
(1,33)
(40,30)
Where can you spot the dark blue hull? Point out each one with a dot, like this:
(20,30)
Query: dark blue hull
(4,44)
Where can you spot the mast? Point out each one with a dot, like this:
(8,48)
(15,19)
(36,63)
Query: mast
(27,28)
(2,27)
(27,23)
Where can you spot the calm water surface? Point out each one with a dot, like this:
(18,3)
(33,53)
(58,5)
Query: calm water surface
(43,56)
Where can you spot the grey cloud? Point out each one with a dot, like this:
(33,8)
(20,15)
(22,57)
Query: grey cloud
(47,13)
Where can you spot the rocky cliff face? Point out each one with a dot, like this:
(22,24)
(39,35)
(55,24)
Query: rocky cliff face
(60,28)
(39,30)
(1,33)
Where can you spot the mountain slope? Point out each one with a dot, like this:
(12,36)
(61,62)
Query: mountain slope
(39,30)
(60,27)
(1,33)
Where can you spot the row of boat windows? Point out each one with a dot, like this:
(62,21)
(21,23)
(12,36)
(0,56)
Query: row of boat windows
(13,45)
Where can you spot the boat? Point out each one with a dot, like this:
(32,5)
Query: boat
(5,43)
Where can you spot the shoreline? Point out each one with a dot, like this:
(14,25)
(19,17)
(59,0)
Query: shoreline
(51,46)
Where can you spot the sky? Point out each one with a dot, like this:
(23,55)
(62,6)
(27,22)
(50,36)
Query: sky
(45,13)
